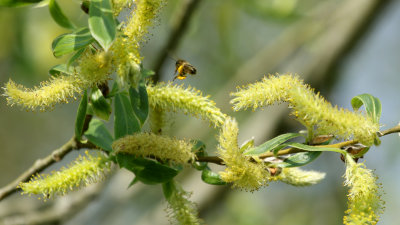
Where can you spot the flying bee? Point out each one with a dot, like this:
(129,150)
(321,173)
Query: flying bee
(183,67)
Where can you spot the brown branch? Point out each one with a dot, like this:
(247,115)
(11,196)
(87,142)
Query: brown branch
(63,209)
(42,164)
(219,161)
(395,129)
(176,35)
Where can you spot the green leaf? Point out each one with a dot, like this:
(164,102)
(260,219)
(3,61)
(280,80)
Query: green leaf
(372,105)
(80,117)
(114,90)
(101,107)
(299,159)
(98,134)
(210,177)
(311,148)
(75,56)
(14,3)
(140,102)
(247,144)
(168,189)
(59,69)
(59,16)
(134,181)
(272,144)
(199,149)
(102,23)
(147,73)
(125,121)
(146,170)
(67,43)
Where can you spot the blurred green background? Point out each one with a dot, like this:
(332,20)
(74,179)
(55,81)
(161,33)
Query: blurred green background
(342,48)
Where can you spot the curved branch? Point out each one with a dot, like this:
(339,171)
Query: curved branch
(42,164)
(219,161)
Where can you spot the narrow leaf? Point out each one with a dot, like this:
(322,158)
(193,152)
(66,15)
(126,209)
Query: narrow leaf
(311,148)
(67,43)
(146,170)
(210,177)
(247,144)
(134,181)
(270,145)
(147,73)
(60,69)
(140,102)
(80,117)
(15,3)
(372,105)
(114,90)
(98,134)
(75,56)
(299,159)
(125,121)
(59,16)
(168,189)
(101,107)
(199,149)
(102,23)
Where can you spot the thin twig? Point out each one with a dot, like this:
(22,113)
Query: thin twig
(42,164)
(395,129)
(219,161)
(176,35)
(63,209)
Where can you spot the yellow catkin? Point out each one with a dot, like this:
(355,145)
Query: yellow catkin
(239,170)
(309,108)
(169,97)
(269,90)
(161,147)
(181,209)
(297,177)
(94,68)
(57,90)
(119,5)
(85,170)
(364,198)
(127,44)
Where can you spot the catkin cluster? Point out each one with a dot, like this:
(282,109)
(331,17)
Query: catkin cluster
(93,67)
(169,97)
(239,169)
(309,108)
(364,198)
(161,147)
(83,171)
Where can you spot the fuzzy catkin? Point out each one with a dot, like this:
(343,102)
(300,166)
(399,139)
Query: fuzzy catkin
(239,170)
(364,199)
(161,147)
(83,171)
(309,108)
(169,97)
(181,209)
(127,44)
(297,177)
(94,68)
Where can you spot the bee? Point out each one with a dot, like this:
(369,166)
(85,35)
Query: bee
(183,67)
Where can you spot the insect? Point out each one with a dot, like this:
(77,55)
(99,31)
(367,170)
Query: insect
(183,67)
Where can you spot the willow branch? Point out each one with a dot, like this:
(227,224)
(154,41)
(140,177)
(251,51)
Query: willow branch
(395,129)
(42,164)
(219,161)
(176,35)
(61,211)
